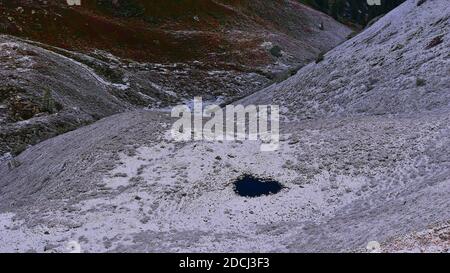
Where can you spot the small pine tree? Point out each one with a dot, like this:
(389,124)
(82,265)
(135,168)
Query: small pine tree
(48,103)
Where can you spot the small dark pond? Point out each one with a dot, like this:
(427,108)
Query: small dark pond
(250,186)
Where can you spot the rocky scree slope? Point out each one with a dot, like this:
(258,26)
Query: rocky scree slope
(350,176)
(65,67)
(400,65)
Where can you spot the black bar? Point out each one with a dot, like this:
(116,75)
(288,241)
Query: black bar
(222,262)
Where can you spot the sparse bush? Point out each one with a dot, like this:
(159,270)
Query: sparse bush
(320,57)
(352,34)
(112,74)
(48,103)
(20,108)
(276,51)
(281,76)
(420,82)
(294,70)
(18,148)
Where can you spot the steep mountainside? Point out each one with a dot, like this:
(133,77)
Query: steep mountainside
(68,66)
(214,32)
(354,11)
(398,66)
(364,156)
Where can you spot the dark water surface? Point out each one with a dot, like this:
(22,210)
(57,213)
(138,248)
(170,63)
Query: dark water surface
(250,186)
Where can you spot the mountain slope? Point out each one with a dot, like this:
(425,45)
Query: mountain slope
(105,57)
(182,31)
(391,68)
(350,176)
